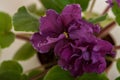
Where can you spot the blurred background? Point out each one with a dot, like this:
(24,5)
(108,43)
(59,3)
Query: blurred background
(11,7)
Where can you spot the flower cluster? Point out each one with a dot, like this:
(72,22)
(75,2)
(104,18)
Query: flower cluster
(73,40)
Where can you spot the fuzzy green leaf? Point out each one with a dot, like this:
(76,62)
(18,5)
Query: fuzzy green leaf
(118,78)
(33,9)
(24,77)
(25,52)
(56,73)
(11,66)
(24,21)
(116,11)
(6,39)
(93,76)
(57,5)
(10,70)
(5,22)
(118,64)
(9,75)
(98,19)
(83,3)
(118,19)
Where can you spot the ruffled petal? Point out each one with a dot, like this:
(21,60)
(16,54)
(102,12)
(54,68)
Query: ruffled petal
(64,58)
(42,43)
(104,47)
(60,46)
(50,25)
(84,30)
(97,67)
(37,40)
(71,13)
(66,53)
(77,67)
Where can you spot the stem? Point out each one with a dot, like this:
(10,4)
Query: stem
(110,58)
(22,37)
(92,5)
(39,75)
(44,72)
(106,10)
(105,31)
(42,67)
(116,48)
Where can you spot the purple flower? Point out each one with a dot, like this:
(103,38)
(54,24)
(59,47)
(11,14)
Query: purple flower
(84,56)
(55,27)
(110,2)
(73,41)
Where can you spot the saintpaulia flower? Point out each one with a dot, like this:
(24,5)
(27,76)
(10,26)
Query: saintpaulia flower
(73,41)
(111,2)
(84,56)
(55,27)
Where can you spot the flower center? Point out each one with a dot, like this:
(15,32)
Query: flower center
(66,34)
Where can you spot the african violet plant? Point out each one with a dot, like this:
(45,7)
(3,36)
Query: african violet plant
(74,40)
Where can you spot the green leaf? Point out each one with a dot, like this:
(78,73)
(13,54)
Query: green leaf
(23,21)
(118,19)
(83,3)
(98,19)
(11,70)
(93,76)
(25,52)
(6,39)
(12,66)
(118,78)
(5,22)
(57,5)
(9,75)
(34,73)
(56,73)
(116,11)
(33,9)
(91,16)
(24,77)
(118,64)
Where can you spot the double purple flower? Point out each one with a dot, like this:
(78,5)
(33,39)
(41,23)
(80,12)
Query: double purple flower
(73,40)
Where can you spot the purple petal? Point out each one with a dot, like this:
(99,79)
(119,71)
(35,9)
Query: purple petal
(95,56)
(77,68)
(63,64)
(64,58)
(36,40)
(71,13)
(97,67)
(103,46)
(86,56)
(50,25)
(66,53)
(42,43)
(84,30)
(59,46)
